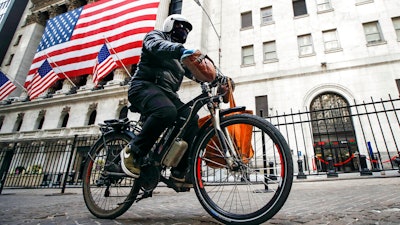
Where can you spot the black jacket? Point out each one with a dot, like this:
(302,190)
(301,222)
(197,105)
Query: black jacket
(160,62)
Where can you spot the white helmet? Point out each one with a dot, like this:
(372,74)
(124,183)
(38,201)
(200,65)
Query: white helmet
(169,22)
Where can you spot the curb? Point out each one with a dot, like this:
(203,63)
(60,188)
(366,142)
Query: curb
(351,176)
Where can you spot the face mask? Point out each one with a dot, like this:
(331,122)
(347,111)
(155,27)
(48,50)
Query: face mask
(179,34)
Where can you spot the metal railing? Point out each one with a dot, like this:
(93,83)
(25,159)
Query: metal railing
(369,129)
(320,139)
(44,163)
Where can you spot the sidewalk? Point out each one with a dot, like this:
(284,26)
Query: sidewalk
(347,199)
(346,176)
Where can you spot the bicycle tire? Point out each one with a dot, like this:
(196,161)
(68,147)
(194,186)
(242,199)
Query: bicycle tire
(107,198)
(251,194)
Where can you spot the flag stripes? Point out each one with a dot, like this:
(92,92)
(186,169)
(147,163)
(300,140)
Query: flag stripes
(6,86)
(105,64)
(42,80)
(123,22)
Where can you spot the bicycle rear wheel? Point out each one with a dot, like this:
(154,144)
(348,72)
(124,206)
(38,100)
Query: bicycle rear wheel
(108,195)
(257,187)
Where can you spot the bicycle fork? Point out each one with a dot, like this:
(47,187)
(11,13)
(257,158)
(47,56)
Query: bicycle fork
(226,142)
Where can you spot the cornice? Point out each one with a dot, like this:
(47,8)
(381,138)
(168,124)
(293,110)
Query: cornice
(81,96)
(40,5)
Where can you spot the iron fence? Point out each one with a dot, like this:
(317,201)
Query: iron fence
(343,134)
(348,138)
(45,163)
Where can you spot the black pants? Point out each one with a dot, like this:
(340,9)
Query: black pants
(161,111)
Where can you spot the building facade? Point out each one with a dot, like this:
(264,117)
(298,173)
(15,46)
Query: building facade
(284,56)
(10,14)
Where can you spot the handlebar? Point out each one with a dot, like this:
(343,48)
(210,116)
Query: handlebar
(220,79)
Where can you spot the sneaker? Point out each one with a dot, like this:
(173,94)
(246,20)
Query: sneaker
(129,163)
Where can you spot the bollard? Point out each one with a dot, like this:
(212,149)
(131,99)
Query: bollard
(363,163)
(301,174)
(331,168)
(271,171)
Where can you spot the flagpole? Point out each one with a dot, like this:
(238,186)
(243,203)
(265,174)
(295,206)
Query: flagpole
(14,81)
(107,42)
(61,70)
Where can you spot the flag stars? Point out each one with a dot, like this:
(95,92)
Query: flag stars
(59,29)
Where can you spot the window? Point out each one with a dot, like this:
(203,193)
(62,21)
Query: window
(373,32)
(262,105)
(65,120)
(40,124)
(40,120)
(18,40)
(247,55)
(247,20)
(396,24)
(299,7)
(1,121)
(175,7)
(305,45)
(360,2)
(398,85)
(323,5)
(331,41)
(18,122)
(92,117)
(10,60)
(269,49)
(266,15)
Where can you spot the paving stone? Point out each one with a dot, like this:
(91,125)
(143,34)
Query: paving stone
(315,201)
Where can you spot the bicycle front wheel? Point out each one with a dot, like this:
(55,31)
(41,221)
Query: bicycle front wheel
(254,187)
(107,192)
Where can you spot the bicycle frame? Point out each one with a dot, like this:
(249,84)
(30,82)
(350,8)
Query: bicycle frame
(176,131)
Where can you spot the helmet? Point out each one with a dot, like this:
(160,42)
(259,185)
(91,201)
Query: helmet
(170,20)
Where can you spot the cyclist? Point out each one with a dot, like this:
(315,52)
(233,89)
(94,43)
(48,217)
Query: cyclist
(153,92)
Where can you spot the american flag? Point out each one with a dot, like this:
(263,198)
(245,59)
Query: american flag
(105,64)
(72,40)
(44,78)
(6,86)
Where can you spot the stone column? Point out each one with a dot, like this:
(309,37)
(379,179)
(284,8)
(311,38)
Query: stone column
(44,94)
(89,83)
(162,13)
(37,17)
(120,75)
(73,4)
(66,87)
(24,95)
(54,11)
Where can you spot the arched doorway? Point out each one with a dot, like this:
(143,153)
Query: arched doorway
(333,132)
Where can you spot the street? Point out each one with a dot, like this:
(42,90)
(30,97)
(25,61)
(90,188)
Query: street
(315,200)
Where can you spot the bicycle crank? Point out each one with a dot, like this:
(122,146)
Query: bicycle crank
(149,178)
